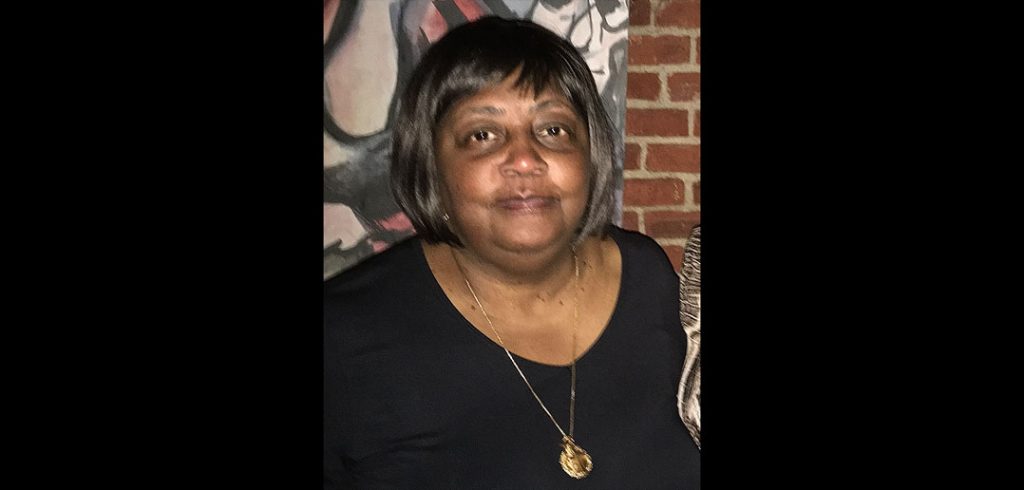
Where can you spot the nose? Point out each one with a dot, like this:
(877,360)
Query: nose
(523,160)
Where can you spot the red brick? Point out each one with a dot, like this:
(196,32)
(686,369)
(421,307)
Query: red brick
(670,224)
(673,158)
(653,192)
(681,13)
(645,86)
(657,122)
(696,193)
(632,161)
(630,220)
(698,50)
(696,124)
(639,12)
(657,50)
(675,255)
(684,86)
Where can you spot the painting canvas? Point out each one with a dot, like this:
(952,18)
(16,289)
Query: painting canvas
(370,49)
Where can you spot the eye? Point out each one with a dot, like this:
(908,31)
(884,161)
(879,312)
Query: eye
(556,137)
(482,136)
(477,138)
(555,134)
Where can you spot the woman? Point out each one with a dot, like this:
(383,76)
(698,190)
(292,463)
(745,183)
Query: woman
(520,340)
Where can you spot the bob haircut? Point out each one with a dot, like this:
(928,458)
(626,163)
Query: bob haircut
(468,59)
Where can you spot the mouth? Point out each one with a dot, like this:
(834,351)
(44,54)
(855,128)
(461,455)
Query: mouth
(527,204)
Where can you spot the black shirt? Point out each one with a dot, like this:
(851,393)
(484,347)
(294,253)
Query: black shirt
(416,397)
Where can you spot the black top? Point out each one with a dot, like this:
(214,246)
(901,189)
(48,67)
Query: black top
(416,397)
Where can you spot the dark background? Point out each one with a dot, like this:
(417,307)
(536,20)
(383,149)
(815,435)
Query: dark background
(836,331)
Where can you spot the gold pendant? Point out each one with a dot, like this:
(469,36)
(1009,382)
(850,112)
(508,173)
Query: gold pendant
(575,461)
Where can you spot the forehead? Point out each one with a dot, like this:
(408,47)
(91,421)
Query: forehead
(505,96)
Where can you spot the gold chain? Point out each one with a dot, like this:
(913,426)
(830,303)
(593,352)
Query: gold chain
(575,320)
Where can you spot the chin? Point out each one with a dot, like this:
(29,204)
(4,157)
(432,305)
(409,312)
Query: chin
(530,240)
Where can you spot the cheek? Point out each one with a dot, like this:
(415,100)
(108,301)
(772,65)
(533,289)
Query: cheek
(462,185)
(451,174)
(467,186)
(573,179)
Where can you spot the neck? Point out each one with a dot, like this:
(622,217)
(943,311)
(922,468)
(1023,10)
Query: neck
(535,275)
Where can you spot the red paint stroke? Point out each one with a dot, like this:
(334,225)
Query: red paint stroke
(397,221)
(434,25)
(470,9)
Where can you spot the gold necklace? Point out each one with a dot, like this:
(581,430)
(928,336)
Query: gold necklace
(574,460)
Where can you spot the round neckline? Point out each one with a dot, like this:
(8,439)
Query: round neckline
(451,310)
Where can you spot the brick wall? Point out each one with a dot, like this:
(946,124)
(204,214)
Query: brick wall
(662,165)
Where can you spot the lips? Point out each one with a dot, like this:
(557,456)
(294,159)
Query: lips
(527,204)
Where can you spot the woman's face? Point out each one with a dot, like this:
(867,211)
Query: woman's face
(513,166)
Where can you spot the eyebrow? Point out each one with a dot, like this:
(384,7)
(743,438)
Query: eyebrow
(486,110)
(550,103)
(497,111)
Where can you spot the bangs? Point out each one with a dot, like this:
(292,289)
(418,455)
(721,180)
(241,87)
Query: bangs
(535,75)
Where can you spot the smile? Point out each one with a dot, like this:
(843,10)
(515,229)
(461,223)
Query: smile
(527,204)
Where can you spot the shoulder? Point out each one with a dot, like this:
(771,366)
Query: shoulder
(376,278)
(641,252)
(649,289)
(630,238)
(377,303)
